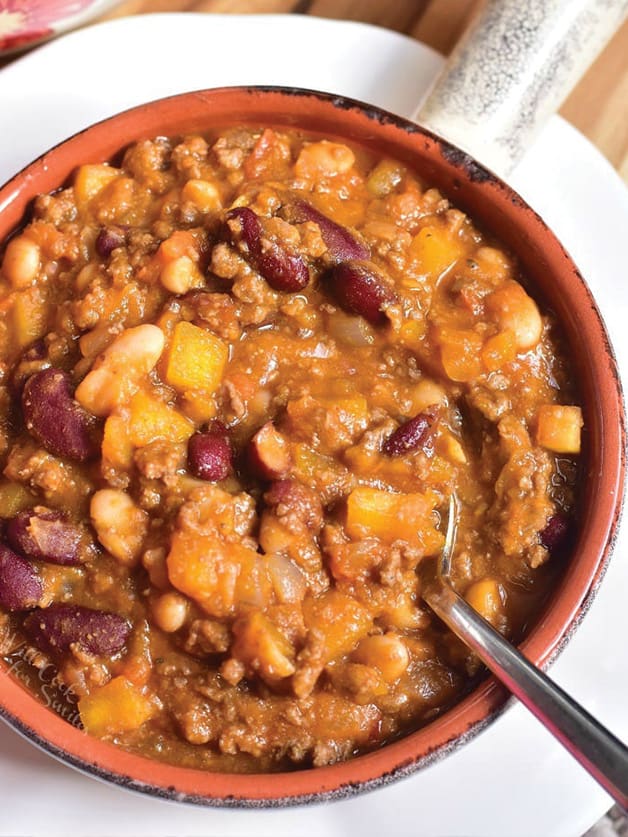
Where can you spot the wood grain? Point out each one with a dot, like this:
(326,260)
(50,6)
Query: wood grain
(598,106)
(400,15)
(442,23)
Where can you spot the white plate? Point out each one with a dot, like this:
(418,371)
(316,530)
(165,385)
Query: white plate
(512,779)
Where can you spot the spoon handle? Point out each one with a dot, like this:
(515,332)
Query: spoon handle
(597,749)
(512,69)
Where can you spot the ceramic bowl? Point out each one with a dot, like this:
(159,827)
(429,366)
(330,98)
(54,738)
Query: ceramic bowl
(555,282)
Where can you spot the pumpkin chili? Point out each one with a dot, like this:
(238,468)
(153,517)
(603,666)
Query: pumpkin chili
(241,375)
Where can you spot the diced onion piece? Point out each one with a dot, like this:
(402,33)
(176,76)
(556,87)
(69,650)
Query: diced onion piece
(287,579)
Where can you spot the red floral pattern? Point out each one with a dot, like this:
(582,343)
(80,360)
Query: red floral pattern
(26,21)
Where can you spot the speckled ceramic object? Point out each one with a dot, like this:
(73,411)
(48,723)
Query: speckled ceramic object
(512,69)
(555,282)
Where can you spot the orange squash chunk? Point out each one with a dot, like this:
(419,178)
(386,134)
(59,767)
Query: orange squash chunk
(559,428)
(219,576)
(460,353)
(196,359)
(117,447)
(152,419)
(499,350)
(374,513)
(119,706)
(435,250)
(340,620)
(92,179)
(262,646)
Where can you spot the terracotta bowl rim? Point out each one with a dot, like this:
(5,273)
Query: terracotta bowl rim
(50,732)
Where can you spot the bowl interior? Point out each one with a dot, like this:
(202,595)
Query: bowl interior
(555,281)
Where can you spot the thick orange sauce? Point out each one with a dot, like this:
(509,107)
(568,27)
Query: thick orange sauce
(280,358)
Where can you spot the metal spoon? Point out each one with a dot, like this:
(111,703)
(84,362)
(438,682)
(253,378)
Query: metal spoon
(598,751)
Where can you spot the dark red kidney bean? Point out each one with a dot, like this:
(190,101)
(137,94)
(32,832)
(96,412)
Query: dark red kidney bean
(556,533)
(45,536)
(210,456)
(342,245)
(410,436)
(109,239)
(268,453)
(20,585)
(55,419)
(360,289)
(290,498)
(54,629)
(282,270)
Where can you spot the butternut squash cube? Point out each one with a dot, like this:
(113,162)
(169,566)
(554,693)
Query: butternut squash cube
(117,447)
(374,513)
(198,406)
(460,353)
(263,647)
(152,419)
(196,359)
(219,576)
(119,706)
(559,427)
(339,620)
(385,177)
(91,179)
(435,250)
(499,350)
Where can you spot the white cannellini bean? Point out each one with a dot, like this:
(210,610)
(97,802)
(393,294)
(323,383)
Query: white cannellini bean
(116,374)
(387,653)
(181,275)
(170,611)
(121,526)
(514,310)
(324,159)
(21,263)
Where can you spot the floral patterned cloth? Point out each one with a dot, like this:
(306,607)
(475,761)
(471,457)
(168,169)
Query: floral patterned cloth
(25,21)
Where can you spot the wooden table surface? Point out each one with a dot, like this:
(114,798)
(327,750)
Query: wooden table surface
(598,106)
